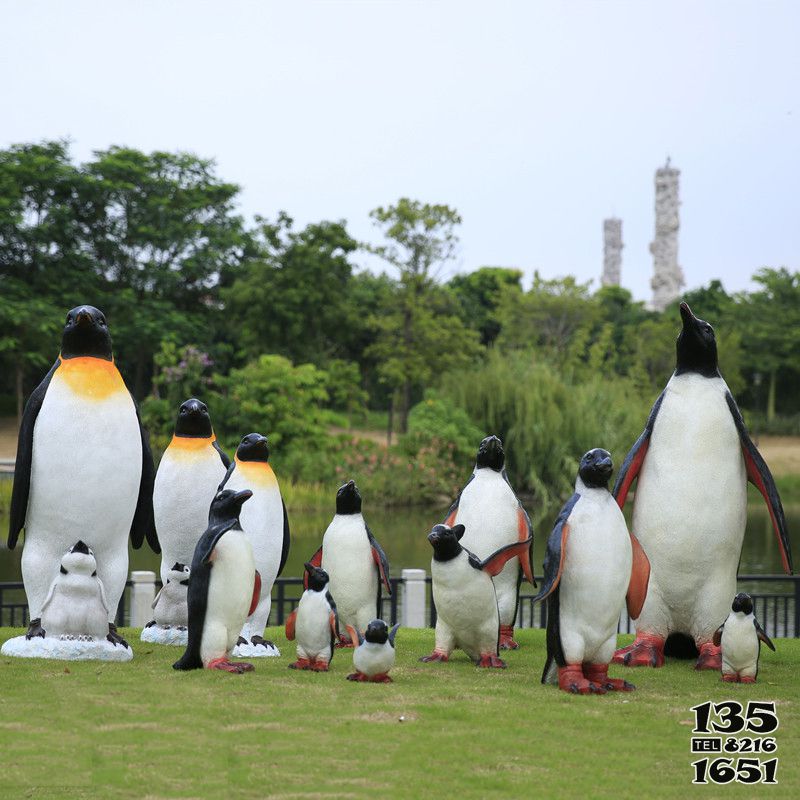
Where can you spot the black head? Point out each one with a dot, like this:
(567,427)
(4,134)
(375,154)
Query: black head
(86,334)
(253,447)
(193,420)
(596,468)
(227,505)
(491,454)
(348,499)
(742,602)
(377,632)
(80,547)
(317,577)
(696,346)
(445,541)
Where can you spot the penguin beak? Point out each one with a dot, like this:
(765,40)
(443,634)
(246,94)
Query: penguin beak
(240,497)
(83,318)
(686,315)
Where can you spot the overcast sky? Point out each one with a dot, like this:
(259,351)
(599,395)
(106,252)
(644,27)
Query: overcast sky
(534,119)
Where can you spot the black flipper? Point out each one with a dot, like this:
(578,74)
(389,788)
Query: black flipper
(144,525)
(450,517)
(222,454)
(382,566)
(717,637)
(208,541)
(553,557)
(393,633)
(762,635)
(231,468)
(635,458)
(22,467)
(316,560)
(758,474)
(286,539)
(555,652)
(494,563)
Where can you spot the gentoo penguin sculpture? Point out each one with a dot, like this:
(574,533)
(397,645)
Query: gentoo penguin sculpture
(170,606)
(355,562)
(266,525)
(692,461)
(223,589)
(76,606)
(83,464)
(187,479)
(494,517)
(739,638)
(374,656)
(591,564)
(466,603)
(314,624)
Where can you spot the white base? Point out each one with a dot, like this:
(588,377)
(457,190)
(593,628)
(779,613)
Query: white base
(254,651)
(160,634)
(66,649)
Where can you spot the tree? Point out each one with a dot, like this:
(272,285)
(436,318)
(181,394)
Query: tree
(419,333)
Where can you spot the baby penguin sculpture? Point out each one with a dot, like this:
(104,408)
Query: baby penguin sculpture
(466,603)
(170,608)
(590,564)
(76,605)
(740,637)
(313,624)
(374,655)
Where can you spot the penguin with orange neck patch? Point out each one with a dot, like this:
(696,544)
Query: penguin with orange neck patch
(190,471)
(266,525)
(83,464)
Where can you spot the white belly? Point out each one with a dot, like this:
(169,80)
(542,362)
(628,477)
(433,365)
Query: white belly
(373,659)
(740,646)
(594,582)
(312,625)
(690,507)
(185,485)
(347,558)
(76,608)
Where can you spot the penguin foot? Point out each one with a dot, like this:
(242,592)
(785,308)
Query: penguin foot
(598,675)
(241,640)
(730,677)
(571,679)
(345,641)
(747,679)
(357,676)
(383,677)
(260,640)
(301,663)
(182,628)
(35,629)
(436,655)
(491,661)
(320,666)
(114,637)
(234,667)
(646,651)
(710,657)
(507,638)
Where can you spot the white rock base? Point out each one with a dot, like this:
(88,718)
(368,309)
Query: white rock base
(160,634)
(254,651)
(66,649)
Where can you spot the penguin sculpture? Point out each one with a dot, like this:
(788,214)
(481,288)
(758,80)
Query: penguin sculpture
(592,563)
(493,517)
(355,562)
(739,639)
(266,525)
(191,469)
(374,656)
(466,603)
(170,607)
(314,624)
(223,590)
(76,606)
(83,463)
(692,461)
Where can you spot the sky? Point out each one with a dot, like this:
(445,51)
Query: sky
(535,120)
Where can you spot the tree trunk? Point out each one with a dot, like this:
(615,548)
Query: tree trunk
(390,426)
(138,380)
(20,392)
(405,403)
(771,395)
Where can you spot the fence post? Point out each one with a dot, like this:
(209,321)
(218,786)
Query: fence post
(143,592)
(414,598)
(796,583)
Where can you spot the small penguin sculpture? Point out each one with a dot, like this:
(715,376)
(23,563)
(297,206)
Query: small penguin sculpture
(739,638)
(466,603)
(313,624)
(170,608)
(223,590)
(591,565)
(374,656)
(76,605)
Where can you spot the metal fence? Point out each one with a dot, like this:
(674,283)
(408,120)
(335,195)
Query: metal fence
(778,609)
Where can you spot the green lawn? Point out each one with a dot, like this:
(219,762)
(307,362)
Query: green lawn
(90,730)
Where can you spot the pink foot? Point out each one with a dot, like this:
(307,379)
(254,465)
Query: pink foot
(710,657)
(357,676)
(234,667)
(730,677)
(436,655)
(507,638)
(382,678)
(572,680)
(646,651)
(747,679)
(320,666)
(598,675)
(345,641)
(301,663)
(491,661)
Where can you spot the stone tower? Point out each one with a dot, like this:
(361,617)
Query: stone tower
(667,274)
(612,251)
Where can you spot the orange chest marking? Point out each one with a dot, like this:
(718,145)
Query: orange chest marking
(91,378)
(190,446)
(256,472)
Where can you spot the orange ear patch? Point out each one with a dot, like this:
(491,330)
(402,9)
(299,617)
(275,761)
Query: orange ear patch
(91,378)
(256,472)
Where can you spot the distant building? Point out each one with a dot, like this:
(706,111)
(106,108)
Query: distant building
(612,251)
(667,274)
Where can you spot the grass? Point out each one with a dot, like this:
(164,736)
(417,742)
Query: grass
(90,730)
